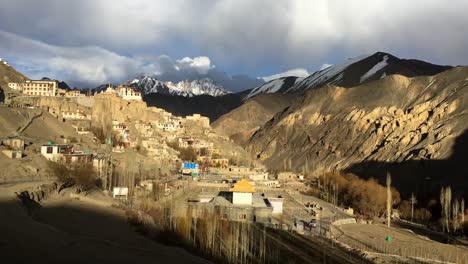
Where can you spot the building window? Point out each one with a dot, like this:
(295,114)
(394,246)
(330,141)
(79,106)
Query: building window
(49,150)
(242,216)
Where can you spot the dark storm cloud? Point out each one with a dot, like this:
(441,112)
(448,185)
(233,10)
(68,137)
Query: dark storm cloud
(102,40)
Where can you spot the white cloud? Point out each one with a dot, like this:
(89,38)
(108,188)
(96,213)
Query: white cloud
(92,66)
(85,65)
(200,64)
(248,32)
(245,34)
(299,72)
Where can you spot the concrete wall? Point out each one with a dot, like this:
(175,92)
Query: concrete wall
(277,205)
(242,198)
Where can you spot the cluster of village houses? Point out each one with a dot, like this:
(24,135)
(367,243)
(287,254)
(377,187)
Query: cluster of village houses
(51,88)
(172,126)
(241,202)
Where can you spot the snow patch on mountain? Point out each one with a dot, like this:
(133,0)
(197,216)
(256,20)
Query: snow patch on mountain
(375,69)
(330,74)
(272,86)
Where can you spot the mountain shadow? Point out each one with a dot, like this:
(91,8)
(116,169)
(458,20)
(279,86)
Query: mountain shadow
(423,177)
(78,233)
(206,105)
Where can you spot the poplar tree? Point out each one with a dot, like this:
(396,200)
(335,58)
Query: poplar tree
(389,198)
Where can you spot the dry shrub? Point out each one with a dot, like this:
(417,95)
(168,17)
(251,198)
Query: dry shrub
(188,154)
(367,197)
(405,209)
(420,215)
(82,176)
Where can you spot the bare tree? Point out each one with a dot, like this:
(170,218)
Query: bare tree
(413,202)
(448,201)
(389,198)
(455,215)
(442,203)
(462,210)
(445,201)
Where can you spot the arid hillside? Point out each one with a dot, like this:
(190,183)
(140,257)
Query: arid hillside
(410,127)
(8,74)
(242,122)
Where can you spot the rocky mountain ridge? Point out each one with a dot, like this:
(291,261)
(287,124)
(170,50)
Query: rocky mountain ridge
(280,85)
(394,120)
(353,72)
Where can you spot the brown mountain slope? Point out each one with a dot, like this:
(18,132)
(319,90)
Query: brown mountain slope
(240,123)
(8,74)
(408,126)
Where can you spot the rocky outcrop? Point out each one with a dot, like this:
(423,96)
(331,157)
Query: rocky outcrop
(38,193)
(396,119)
(30,199)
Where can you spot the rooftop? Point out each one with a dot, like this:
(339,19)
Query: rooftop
(243,186)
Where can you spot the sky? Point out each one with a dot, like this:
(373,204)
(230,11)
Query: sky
(239,43)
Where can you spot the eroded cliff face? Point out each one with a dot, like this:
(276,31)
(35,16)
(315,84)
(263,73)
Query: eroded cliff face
(393,120)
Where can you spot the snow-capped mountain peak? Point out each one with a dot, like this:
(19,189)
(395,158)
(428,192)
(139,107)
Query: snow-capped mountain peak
(187,88)
(353,72)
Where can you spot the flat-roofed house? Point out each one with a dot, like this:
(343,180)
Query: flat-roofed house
(54,152)
(128,93)
(37,87)
(14,143)
(199,119)
(14,86)
(77,157)
(74,93)
(13,154)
